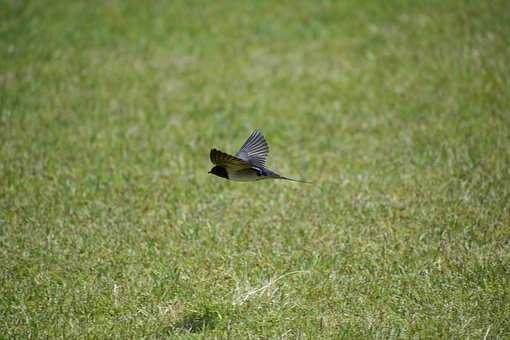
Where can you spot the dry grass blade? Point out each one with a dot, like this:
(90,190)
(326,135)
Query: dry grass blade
(249,294)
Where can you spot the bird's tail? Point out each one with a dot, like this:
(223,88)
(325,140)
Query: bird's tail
(293,180)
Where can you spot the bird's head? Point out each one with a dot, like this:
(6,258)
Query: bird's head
(220,171)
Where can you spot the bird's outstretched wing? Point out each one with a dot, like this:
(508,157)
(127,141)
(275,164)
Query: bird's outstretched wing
(220,158)
(254,150)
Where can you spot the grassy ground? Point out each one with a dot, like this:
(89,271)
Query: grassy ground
(398,111)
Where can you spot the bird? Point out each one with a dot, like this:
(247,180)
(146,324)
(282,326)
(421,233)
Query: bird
(248,164)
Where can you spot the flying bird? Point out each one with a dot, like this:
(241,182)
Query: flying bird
(249,163)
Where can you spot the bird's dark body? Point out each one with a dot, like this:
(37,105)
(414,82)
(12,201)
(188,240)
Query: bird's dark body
(244,175)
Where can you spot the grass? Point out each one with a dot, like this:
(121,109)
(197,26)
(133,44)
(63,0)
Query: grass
(397,111)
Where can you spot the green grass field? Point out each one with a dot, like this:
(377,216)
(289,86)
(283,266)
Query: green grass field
(399,112)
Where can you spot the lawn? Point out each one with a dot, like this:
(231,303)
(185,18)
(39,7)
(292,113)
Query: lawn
(397,111)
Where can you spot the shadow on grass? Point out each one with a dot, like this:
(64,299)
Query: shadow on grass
(195,322)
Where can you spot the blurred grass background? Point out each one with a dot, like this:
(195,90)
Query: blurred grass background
(397,111)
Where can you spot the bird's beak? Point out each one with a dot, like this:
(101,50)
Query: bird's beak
(209,172)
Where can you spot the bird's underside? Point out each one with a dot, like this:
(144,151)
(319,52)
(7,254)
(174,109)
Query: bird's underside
(252,174)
